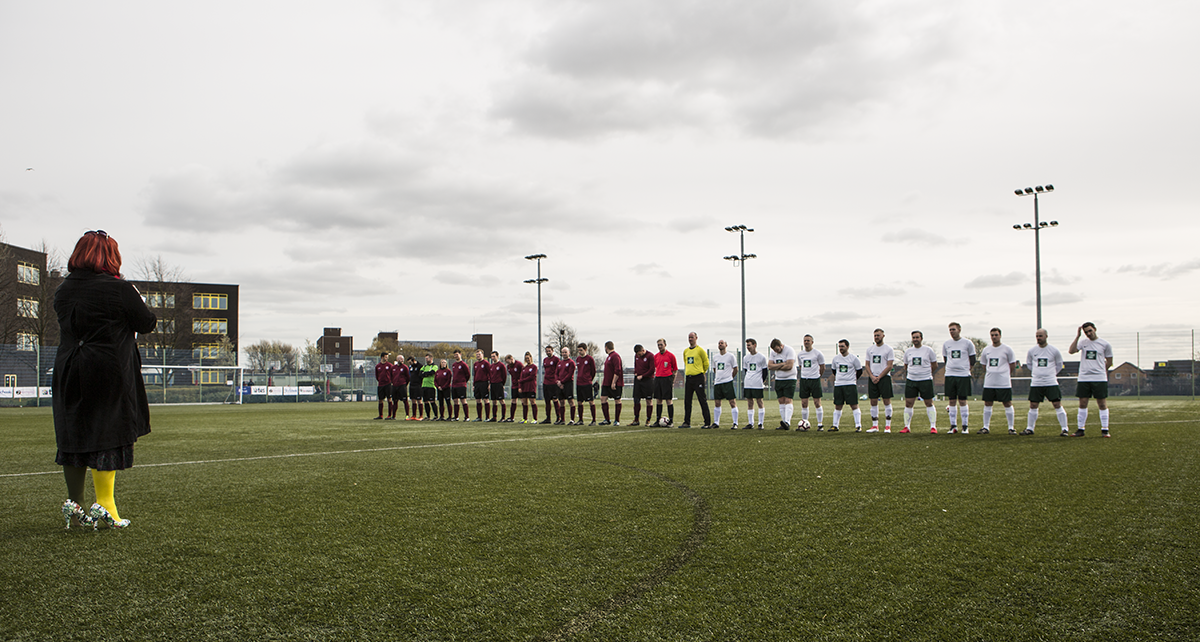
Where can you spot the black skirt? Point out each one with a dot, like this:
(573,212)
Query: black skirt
(118,458)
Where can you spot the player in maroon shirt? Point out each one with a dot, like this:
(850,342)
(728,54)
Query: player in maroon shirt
(643,382)
(383,380)
(665,368)
(499,372)
(460,374)
(566,390)
(400,378)
(441,381)
(528,385)
(585,376)
(549,383)
(612,383)
(482,374)
(514,373)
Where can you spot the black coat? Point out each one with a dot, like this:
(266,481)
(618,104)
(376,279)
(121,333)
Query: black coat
(99,396)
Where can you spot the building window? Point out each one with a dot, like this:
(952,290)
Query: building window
(10,381)
(210,301)
(27,308)
(27,342)
(159,299)
(28,273)
(165,326)
(1118,376)
(208,376)
(206,351)
(210,326)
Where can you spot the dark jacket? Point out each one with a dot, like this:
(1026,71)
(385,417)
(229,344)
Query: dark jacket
(99,396)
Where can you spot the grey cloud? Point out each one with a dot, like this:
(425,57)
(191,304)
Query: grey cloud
(455,278)
(1164,271)
(874,291)
(650,269)
(342,191)
(997,280)
(914,236)
(832,317)
(776,67)
(1058,298)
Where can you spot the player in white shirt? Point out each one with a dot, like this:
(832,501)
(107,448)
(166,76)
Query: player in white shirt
(1044,362)
(919,362)
(997,382)
(754,365)
(1095,358)
(724,366)
(812,368)
(880,358)
(958,355)
(846,371)
(782,361)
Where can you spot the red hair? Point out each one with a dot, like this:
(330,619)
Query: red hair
(96,251)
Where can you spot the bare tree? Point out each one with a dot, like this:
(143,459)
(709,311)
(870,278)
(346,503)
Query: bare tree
(264,354)
(44,325)
(311,357)
(561,335)
(169,297)
(8,293)
(155,268)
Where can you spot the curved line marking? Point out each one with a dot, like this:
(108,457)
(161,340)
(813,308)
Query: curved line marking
(701,522)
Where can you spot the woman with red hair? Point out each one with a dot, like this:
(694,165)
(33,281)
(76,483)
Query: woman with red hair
(100,406)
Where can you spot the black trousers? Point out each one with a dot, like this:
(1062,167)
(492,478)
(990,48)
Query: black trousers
(694,385)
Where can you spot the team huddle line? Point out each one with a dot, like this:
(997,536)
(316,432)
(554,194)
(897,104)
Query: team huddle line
(438,392)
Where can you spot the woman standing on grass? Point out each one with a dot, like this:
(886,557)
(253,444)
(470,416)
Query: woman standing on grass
(528,388)
(100,406)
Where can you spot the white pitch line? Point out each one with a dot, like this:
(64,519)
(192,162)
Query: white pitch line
(359,450)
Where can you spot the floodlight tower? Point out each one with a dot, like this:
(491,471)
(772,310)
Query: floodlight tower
(1036,226)
(538,344)
(740,259)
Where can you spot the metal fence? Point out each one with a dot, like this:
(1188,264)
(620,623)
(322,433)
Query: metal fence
(1159,363)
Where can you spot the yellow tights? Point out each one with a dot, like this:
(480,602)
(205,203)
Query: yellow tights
(104,481)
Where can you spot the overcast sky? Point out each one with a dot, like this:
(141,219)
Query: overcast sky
(385,166)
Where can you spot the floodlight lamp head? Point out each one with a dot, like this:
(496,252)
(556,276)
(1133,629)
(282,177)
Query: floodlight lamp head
(728,229)
(1049,188)
(749,229)
(1028,226)
(1053,223)
(1039,188)
(531,280)
(749,256)
(1019,192)
(1016,227)
(534,257)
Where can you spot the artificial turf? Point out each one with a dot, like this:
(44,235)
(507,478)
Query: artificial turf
(313,522)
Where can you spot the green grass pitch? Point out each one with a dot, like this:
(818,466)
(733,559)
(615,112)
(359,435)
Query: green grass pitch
(313,522)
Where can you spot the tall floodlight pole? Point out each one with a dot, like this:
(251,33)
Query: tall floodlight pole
(538,344)
(1036,226)
(740,259)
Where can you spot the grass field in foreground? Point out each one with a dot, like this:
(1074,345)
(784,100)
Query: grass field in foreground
(313,522)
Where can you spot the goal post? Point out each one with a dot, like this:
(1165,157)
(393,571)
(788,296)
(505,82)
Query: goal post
(193,384)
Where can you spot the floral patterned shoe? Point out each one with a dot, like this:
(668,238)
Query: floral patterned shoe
(71,509)
(100,515)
